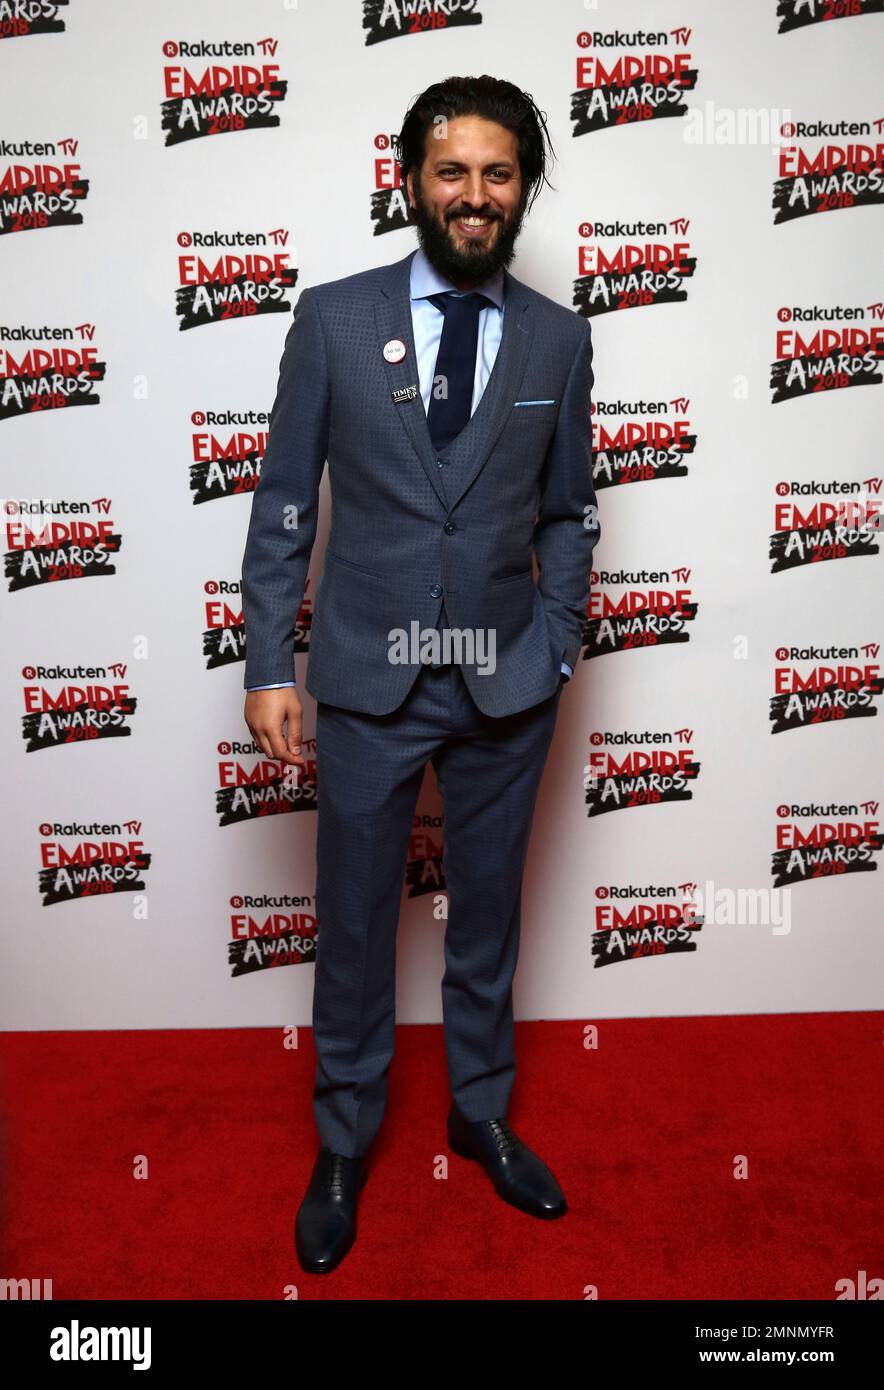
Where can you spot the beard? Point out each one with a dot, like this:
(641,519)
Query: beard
(469,260)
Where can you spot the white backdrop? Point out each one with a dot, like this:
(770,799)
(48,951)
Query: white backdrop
(157,950)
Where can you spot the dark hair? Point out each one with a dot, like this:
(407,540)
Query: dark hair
(493,100)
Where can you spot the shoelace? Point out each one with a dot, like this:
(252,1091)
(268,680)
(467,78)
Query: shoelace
(506,1141)
(336,1171)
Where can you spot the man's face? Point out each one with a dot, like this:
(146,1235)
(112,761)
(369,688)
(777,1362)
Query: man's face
(468,199)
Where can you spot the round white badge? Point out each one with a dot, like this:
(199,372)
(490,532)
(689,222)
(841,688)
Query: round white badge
(394,350)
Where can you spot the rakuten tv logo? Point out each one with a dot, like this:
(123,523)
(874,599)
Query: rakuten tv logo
(75,705)
(266,932)
(59,370)
(842,521)
(628,928)
(219,99)
(103,859)
(647,84)
(42,187)
(640,441)
(48,541)
(627,770)
(252,786)
(399,19)
(825,177)
(629,273)
(814,359)
(224,636)
(816,686)
(839,840)
(641,615)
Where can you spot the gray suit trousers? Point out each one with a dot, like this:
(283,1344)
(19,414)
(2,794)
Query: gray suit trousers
(369,773)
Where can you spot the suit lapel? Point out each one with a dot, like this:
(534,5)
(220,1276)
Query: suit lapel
(473,445)
(393,320)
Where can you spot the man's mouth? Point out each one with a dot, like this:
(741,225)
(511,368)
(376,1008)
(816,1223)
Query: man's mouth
(474,226)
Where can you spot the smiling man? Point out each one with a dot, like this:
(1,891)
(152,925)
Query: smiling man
(452,403)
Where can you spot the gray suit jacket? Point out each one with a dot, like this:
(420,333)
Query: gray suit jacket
(407,532)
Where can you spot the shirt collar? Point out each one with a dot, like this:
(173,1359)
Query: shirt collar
(426,280)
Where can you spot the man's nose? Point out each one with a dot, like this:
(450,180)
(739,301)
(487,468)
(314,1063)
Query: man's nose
(474,193)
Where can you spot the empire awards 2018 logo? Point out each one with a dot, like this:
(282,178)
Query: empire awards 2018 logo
(268,931)
(53,369)
(53,539)
(800,14)
(42,187)
(631,768)
(398,19)
(825,519)
(632,271)
(220,99)
(252,786)
(824,685)
(226,448)
(640,441)
(647,83)
(104,858)
(20,18)
(655,608)
(76,704)
(840,839)
(812,355)
(232,284)
(846,170)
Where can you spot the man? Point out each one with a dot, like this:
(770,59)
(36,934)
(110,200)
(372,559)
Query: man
(452,404)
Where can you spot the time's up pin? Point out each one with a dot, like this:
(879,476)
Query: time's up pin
(394,350)
(404,393)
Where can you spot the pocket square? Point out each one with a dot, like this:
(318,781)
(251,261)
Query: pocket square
(515,403)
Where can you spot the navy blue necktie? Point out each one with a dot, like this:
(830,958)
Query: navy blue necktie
(455,364)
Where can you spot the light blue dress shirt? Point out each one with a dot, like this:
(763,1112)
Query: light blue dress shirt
(426,322)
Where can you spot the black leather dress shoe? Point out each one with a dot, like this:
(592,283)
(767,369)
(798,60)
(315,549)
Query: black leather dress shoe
(518,1175)
(325,1226)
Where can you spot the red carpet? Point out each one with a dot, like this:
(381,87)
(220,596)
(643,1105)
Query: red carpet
(643,1135)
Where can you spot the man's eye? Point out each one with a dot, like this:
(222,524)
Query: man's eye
(499,175)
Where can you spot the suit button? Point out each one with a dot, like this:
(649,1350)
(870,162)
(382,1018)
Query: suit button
(449,528)
(435,590)
(441,463)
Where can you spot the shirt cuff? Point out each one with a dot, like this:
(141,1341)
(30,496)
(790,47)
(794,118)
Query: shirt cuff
(280,685)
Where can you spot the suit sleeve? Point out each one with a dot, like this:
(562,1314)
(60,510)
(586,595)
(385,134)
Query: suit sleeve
(282,524)
(567,528)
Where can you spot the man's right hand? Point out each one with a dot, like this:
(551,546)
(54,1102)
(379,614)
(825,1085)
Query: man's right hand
(266,712)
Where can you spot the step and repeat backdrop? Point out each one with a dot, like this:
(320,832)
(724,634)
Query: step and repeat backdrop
(708,837)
